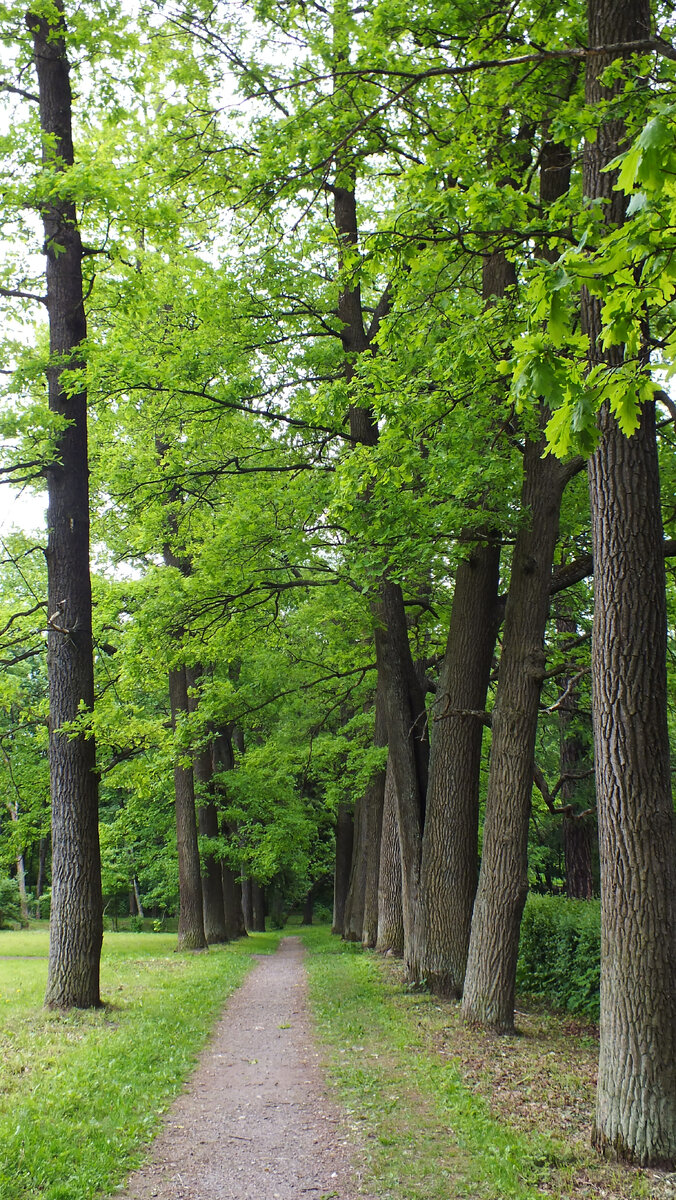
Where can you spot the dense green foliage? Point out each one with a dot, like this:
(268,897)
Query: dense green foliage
(559,953)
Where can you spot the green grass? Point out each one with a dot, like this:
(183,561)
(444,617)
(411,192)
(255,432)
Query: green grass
(81,1093)
(426,1136)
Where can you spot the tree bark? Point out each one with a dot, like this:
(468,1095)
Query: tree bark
(402,696)
(235,925)
(374,814)
(223,759)
(450,856)
(191,934)
(341,878)
(247,903)
(390,914)
(408,748)
(503,878)
(207,825)
(257,907)
(42,873)
(578,832)
(636,1100)
(76,930)
(361,909)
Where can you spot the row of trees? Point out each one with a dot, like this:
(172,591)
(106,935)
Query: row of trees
(365,290)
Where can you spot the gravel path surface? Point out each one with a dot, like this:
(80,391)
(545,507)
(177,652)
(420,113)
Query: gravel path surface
(256,1122)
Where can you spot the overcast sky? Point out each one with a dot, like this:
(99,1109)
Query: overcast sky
(21,511)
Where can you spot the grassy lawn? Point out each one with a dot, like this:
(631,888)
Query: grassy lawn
(444,1112)
(81,1093)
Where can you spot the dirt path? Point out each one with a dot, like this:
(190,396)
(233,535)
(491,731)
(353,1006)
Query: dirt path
(256,1122)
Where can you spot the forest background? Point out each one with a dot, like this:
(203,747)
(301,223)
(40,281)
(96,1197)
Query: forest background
(364,290)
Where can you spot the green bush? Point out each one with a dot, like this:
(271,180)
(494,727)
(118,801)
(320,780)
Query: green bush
(10,910)
(559,953)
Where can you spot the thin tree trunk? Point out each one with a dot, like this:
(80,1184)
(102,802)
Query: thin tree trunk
(369,935)
(191,934)
(137,898)
(42,872)
(503,878)
(76,930)
(450,862)
(636,1100)
(344,843)
(390,913)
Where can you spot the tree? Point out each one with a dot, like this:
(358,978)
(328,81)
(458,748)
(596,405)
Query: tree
(76,914)
(636,1107)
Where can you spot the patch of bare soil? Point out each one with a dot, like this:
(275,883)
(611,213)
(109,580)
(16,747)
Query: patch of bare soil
(255,1121)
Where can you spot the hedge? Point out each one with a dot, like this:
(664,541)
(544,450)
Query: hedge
(559,953)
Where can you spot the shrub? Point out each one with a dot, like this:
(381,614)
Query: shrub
(559,953)
(10,910)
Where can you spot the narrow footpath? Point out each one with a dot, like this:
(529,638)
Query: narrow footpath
(255,1121)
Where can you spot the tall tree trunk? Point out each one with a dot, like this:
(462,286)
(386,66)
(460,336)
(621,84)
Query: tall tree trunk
(408,748)
(636,1101)
(235,925)
(578,831)
(247,903)
(353,902)
(191,934)
(450,863)
(76,930)
(361,908)
(223,759)
(207,825)
(390,913)
(341,878)
(503,878)
(257,907)
(402,695)
(369,935)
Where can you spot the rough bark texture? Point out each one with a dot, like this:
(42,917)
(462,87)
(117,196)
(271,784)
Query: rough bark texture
(503,879)
(191,934)
(402,695)
(450,864)
(636,1103)
(578,831)
(369,934)
(361,908)
(390,915)
(76,929)
(408,747)
(341,878)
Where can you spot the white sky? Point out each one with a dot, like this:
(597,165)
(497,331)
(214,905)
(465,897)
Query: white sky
(22,510)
